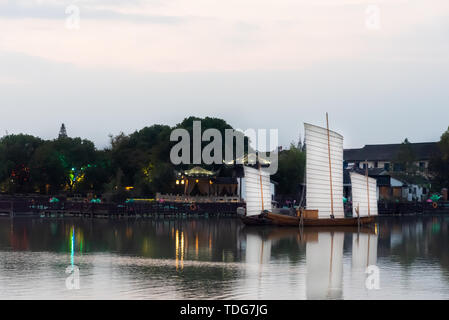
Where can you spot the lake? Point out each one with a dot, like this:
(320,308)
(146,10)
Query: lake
(218,258)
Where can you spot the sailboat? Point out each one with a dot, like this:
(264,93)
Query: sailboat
(364,195)
(324,186)
(257,196)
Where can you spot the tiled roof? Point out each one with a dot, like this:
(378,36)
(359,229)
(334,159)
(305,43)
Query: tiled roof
(388,152)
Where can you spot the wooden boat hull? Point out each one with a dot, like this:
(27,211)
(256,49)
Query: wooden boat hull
(259,220)
(285,220)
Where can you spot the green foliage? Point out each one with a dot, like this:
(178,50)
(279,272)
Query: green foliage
(406,157)
(142,159)
(47,169)
(439,165)
(136,155)
(15,155)
(291,169)
(209,123)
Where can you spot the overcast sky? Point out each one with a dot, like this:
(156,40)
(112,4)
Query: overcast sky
(382,71)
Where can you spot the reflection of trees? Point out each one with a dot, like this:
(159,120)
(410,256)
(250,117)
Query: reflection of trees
(203,241)
(210,239)
(291,248)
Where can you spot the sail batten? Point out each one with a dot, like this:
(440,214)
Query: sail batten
(360,194)
(319,148)
(253,191)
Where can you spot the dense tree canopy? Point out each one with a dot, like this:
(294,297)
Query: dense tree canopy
(291,170)
(439,165)
(16,152)
(140,162)
(406,158)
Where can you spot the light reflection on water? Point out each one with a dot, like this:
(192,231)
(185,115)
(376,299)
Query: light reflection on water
(211,258)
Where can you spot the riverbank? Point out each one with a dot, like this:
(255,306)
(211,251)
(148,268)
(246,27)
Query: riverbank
(43,208)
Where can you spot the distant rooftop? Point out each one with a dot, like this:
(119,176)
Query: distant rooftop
(388,152)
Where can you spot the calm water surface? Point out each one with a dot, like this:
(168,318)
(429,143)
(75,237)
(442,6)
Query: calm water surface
(220,258)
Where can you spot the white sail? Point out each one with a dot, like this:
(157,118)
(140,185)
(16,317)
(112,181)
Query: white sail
(364,197)
(325,266)
(253,196)
(318,190)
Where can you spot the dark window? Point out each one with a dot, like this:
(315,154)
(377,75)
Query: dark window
(376,164)
(422,166)
(387,166)
(364,166)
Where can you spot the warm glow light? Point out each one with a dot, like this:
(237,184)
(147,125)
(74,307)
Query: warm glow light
(196,180)
(129,188)
(210,181)
(182,181)
(177,181)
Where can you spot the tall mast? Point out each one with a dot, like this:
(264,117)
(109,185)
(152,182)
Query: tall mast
(367,185)
(261,188)
(330,165)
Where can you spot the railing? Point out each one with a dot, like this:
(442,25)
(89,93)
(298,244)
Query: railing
(38,208)
(196,199)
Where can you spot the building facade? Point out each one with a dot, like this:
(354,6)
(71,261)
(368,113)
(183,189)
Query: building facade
(393,183)
(384,156)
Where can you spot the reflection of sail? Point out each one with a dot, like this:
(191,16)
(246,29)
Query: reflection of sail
(325,266)
(364,195)
(253,196)
(364,254)
(258,251)
(364,250)
(318,171)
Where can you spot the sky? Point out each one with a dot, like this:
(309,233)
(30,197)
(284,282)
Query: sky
(379,68)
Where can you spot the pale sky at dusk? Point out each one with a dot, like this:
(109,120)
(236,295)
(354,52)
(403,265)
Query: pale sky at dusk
(255,63)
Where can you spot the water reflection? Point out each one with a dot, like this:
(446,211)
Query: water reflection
(220,258)
(324,254)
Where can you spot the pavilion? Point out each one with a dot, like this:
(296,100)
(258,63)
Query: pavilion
(202,182)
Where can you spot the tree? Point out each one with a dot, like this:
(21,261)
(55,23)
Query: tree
(439,164)
(62,132)
(97,174)
(211,123)
(139,156)
(406,158)
(63,163)
(47,169)
(291,170)
(16,152)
